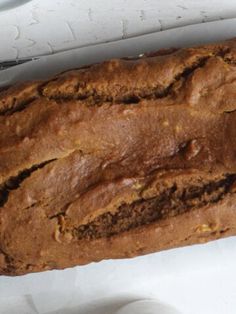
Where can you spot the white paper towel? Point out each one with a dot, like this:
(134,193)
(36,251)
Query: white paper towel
(196,279)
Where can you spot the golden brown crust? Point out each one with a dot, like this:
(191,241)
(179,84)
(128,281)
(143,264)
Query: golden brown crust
(118,159)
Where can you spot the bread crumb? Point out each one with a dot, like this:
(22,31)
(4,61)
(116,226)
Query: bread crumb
(206,228)
(68,237)
(57,235)
(192,149)
(18,130)
(166,123)
(137,186)
(178,128)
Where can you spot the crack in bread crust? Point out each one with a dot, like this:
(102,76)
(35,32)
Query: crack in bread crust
(14,183)
(170,203)
(92,96)
(135,96)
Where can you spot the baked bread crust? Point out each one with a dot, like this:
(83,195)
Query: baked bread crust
(118,159)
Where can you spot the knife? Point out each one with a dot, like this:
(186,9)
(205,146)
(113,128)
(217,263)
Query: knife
(11,63)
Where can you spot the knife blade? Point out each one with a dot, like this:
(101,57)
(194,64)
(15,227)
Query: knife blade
(11,63)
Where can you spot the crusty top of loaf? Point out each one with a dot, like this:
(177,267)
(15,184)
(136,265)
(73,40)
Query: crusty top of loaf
(198,79)
(97,137)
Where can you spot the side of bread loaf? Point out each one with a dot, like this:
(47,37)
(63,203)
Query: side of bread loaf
(118,159)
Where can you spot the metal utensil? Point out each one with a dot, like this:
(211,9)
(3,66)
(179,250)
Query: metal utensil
(11,63)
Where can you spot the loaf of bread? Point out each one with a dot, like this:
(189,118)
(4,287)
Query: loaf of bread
(118,159)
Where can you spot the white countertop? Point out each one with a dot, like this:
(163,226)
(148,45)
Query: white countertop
(47,26)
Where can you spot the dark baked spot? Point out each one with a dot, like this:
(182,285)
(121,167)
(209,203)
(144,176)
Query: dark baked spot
(170,203)
(4,88)
(17,107)
(9,262)
(224,230)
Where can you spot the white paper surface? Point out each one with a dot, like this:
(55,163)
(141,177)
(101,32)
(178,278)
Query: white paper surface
(192,280)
